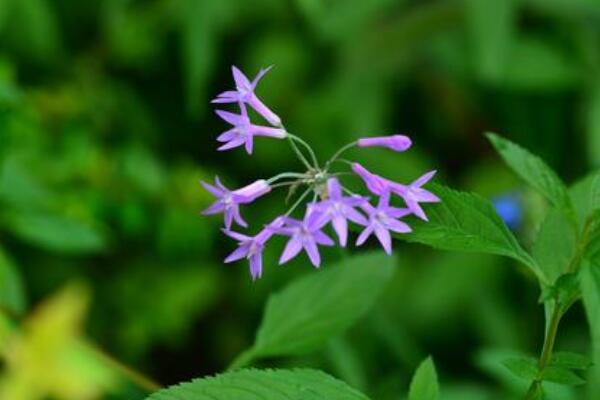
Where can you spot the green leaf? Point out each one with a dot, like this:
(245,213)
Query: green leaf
(56,233)
(570,360)
(312,310)
(592,119)
(12,295)
(522,367)
(534,171)
(554,245)
(252,384)
(590,290)
(468,222)
(562,375)
(424,384)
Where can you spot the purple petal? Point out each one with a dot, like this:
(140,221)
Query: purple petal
(268,131)
(229,96)
(215,208)
(228,216)
(256,265)
(237,254)
(355,216)
(426,196)
(259,76)
(398,226)
(340,225)
(233,119)
(291,250)
(384,200)
(397,212)
(423,179)
(249,144)
(383,235)
(237,236)
(364,235)
(313,252)
(416,209)
(232,144)
(334,189)
(322,238)
(264,111)
(254,190)
(212,189)
(241,81)
(238,217)
(228,135)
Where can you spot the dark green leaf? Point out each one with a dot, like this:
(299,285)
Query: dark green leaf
(534,171)
(253,384)
(570,360)
(467,222)
(56,233)
(424,384)
(522,367)
(562,375)
(322,305)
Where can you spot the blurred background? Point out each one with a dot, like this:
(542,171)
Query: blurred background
(106,129)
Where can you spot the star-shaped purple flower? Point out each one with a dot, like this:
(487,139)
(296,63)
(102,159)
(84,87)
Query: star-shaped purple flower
(412,194)
(251,247)
(243,131)
(382,220)
(244,93)
(305,234)
(339,209)
(228,201)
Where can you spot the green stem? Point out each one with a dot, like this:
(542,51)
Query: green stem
(307,147)
(286,175)
(548,348)
(339,153)
(298,152)
(297,203)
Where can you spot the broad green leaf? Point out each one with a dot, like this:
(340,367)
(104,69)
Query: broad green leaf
(312,310)
(12,296)
(424,384)
(491,26)
(253,384)
(561,375)
(586,196)
(570,360)
(56,233)
(534,171)
(468,222)
(554,245)
(522,367)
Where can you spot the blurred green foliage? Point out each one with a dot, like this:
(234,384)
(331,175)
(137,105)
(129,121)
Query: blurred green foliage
(105,130)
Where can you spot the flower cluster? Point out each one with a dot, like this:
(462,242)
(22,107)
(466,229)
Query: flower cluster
(331,204)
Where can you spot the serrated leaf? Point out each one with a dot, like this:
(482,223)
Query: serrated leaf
(534,171)
(252,384)
(424,384)
(561,375)
(468,222)
(310,311)
(570,360)
(522,367)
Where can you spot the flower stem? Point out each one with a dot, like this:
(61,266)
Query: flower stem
(285,175)
(339,153)
(307,147)
(297,203)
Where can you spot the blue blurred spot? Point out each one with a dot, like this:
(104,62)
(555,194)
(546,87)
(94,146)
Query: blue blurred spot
(510,209)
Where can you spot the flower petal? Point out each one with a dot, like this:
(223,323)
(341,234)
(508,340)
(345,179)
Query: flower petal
(291,250)
(313,252)
(233,119)
(383,235)
(340,225)
(241,81)
(256,265)
(237,254)
(364,235)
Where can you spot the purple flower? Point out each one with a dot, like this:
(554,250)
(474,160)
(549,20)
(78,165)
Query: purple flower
(305,234)
(243,131)
(339,209)
(251,247)
(382,220)
(228,201)
(394,142)
(375,183)
(244,93)
(414,194)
